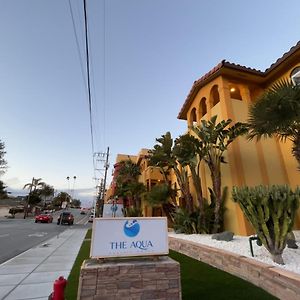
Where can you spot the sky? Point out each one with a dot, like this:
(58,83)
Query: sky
(145,56)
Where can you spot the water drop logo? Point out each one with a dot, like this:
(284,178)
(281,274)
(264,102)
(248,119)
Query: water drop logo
(131,228)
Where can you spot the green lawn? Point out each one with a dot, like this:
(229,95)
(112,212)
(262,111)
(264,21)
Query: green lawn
(73,279)
(201,281)
(198,280)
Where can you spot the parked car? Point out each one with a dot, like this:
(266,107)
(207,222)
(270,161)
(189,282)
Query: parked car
(15,210)
(65,218)
(91,218)
(44,218)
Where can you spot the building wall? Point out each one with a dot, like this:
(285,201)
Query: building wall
(250,163)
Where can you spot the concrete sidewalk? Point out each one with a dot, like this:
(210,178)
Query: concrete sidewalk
(31,274)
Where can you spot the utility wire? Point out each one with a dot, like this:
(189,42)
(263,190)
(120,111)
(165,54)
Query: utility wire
(88,78)
(104,71)
(77,45)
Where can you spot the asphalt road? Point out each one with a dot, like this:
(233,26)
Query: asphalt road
(19,235)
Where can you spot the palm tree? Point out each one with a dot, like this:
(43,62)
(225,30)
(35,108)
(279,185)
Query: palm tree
(189,152)
(128,184)
(34,184)
(277,114)
(215,138)
(160,195)
(162,156)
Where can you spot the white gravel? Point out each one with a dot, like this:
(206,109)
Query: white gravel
(240,245)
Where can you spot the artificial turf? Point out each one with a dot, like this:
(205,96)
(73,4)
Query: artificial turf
(201,281)
(73,279)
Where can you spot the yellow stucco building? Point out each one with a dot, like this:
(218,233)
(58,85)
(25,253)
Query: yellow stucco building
(227,91)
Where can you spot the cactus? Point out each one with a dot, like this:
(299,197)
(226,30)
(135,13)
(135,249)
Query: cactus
(271,211)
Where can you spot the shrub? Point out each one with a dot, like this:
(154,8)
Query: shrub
(132,212)
(271,211)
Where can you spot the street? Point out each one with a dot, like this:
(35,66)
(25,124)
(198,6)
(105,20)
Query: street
(19,235)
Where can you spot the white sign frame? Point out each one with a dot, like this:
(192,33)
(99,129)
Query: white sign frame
(103,235)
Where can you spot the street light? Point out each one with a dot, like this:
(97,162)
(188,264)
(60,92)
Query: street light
(74,178)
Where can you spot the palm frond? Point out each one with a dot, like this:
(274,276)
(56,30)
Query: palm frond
(276,111)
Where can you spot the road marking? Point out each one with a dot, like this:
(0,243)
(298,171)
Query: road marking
(38,234)
(4,235)
(82,220)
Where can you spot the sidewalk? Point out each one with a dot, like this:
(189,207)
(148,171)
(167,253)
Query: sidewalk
(31,274)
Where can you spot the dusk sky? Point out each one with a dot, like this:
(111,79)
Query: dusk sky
(145,56)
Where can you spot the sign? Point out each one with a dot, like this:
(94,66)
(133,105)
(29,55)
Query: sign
(64,204)
(123,237)
(112,210)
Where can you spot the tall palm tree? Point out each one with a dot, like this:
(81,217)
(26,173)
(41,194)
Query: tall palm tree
(215,138)
(162,156)
(277,114)
(128,184)
(34,184)
(189,151)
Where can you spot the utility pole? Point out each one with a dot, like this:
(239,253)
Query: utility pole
(101,192)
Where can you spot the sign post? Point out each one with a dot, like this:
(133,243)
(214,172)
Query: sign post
(126,247)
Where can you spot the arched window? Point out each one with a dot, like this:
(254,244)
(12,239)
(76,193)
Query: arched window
(203,107)
(214,95)
(235,92)
(193,117)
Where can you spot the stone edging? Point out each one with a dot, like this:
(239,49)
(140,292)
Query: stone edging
(278,282)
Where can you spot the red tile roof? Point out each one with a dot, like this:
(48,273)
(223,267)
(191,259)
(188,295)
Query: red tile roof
(226,64)
(283,57)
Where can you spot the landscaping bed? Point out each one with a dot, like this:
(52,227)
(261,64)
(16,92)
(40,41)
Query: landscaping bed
(199,280)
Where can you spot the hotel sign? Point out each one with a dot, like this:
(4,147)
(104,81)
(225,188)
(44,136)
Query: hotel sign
(122,237)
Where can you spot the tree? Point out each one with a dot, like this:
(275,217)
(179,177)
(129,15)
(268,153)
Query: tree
(3,192)
(128,185)
(215,138)
(3,163)
(163,157)
(34,184)
(161,194)
(46,191)
(277,114)
(33,192)
(60,198)
(189,151)
(76,203)
(33,198)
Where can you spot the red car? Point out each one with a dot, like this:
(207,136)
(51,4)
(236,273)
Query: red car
(44,218)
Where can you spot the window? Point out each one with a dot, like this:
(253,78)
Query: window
(214,95)
(295,76)
(203,107)
(235,92)
(193,117)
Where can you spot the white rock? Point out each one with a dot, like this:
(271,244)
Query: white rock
(240,245)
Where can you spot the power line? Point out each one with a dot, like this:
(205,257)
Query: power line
(88,76)
(104,70)
(77,45)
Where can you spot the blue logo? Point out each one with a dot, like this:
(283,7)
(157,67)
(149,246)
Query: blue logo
(131,228)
